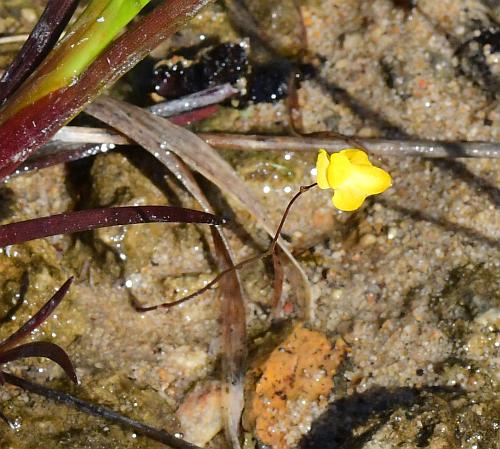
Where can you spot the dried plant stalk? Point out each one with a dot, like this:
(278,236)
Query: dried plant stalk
(305,144)
(100,412)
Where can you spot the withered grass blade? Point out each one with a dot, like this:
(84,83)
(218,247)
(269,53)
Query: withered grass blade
(233,343)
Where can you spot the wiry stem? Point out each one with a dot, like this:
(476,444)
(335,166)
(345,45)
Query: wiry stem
(100,412)
(270,250)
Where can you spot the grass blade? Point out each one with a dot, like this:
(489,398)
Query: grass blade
(233,343)
(24,129)
(279,279)
(86,220)
(41,349)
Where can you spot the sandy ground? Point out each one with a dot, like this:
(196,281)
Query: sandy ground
(410,282)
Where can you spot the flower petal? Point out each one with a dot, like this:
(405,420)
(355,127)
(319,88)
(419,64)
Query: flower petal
(339,170)
(322,164)
(369,179)
(348,199)
(355,156)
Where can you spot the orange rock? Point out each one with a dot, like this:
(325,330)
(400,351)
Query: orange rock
(296,380)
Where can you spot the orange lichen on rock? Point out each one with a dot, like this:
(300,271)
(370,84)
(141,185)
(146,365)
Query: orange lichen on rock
(293,389)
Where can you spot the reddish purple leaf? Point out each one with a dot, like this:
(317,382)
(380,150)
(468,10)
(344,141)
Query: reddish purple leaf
(194,116)
(86,220)
(41,349)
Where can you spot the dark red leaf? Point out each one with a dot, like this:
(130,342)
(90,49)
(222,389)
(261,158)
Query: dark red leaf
(41,40)
(194,116)
(85,220)
(41,349)
(38,318)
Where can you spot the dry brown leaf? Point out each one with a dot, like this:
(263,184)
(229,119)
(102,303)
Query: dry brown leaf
(234,338)
(296,381)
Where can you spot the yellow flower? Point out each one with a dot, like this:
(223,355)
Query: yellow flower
(352,177)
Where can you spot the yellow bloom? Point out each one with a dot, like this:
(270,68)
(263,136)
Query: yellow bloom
(352,177)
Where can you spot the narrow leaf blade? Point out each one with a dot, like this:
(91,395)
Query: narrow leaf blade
(43,349)
(24,130)
(279,278)
(233,343)
(86,220)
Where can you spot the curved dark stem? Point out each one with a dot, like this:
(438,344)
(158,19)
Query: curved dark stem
(100,412)
(302,190)
(270,250)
